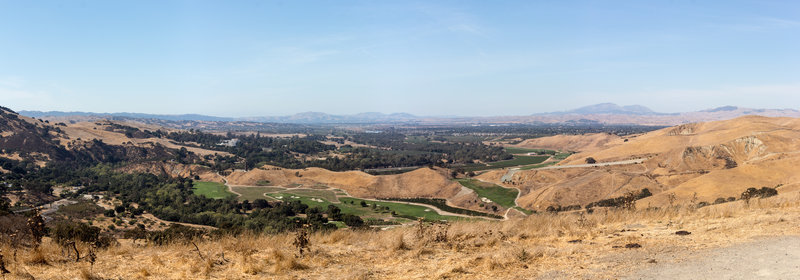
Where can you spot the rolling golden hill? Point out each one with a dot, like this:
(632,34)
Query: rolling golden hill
(694,162)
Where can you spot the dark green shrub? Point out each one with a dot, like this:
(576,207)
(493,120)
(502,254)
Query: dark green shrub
(352,221)
(175,233)
(109,213)
(758,193)
(65,232)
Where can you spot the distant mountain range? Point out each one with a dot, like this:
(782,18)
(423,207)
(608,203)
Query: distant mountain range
(608,113)
(186,117)
(610,108)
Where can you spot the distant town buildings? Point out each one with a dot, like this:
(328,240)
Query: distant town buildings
(229,143)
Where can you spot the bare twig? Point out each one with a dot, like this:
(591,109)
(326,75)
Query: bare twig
(77,253)
(198,250)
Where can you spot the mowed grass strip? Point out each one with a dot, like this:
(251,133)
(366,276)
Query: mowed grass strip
(402,209)
(211,189)
(503,196)
(253,193)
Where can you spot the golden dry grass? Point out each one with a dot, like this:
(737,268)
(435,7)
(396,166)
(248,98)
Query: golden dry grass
(684,161)
(578,143)
(423,182)
(534,247)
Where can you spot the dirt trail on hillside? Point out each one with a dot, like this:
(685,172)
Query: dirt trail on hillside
(599,164)
(769,258)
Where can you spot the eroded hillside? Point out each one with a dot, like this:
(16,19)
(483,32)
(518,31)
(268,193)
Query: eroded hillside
(694,162)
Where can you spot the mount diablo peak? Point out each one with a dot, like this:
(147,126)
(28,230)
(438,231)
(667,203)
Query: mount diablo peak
(611,108)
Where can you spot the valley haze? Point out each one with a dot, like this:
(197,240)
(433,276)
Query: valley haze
(395,139)
(607,113)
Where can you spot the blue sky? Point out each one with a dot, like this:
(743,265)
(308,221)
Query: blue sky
(261,58)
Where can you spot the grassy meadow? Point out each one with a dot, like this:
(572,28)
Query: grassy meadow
(211,189)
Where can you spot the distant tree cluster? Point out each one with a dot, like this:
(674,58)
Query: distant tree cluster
(620,201)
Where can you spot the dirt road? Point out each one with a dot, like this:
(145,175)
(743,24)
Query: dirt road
(511,171)
(599,164)
(769,258)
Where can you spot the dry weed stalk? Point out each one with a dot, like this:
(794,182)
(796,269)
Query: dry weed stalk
(671,197)
(36,225)
(197,249)
(3,269)
(301,240)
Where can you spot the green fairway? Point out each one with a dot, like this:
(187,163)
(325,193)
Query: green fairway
(517,161)
(253,193)
(503,196)
(211,189)
(402,209)
(561,156)
(515,150)
(350,205)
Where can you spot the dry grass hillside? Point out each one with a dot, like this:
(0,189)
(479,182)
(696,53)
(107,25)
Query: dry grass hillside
(601,245)
(577,143)
(700,162)
(423,182)
(174,169)
(92,130)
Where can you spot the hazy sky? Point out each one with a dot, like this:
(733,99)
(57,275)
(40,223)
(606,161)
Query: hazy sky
(251,58)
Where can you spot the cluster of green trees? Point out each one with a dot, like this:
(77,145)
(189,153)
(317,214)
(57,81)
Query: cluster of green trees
(170,199)
(393,151)
(620,201)
(254,149)
(458,153)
